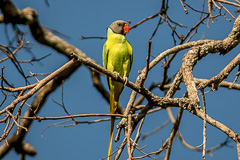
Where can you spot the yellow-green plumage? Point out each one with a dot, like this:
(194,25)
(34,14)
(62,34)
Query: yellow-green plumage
(117,56)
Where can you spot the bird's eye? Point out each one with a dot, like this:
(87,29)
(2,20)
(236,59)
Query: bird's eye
(118,24)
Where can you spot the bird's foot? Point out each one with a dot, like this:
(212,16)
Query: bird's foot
(116,74)
(125,80)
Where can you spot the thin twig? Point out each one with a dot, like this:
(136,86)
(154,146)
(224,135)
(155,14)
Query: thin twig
(155,130)
(145,19)
(228,2)
(32,74)
(185,10)
(216,80)
(156,28)
(83,37)
(226,10)
(173,133)
(129,132)
(147,63)
(14,120)
(73,116)
(204,124)
(137,136)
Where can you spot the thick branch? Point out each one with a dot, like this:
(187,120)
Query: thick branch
(29,16)
(39,86)
(46,86)
(216,80)
(196,53)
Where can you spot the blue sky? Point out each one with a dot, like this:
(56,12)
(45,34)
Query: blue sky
(91,18)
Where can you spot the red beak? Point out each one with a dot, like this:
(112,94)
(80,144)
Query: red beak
(126,29)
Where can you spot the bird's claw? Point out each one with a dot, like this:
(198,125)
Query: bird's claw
(125,80)
(116,74)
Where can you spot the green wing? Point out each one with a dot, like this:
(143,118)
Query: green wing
(105,55)
(131,55)
(105,58)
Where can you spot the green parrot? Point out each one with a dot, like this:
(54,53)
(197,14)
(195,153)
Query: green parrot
(117,57)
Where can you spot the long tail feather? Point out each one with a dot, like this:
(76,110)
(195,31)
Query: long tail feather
(113,107)
(111,138)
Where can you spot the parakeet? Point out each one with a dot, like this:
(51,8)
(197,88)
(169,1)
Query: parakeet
(117,57)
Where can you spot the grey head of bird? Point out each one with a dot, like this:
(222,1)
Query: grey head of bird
(120,27)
